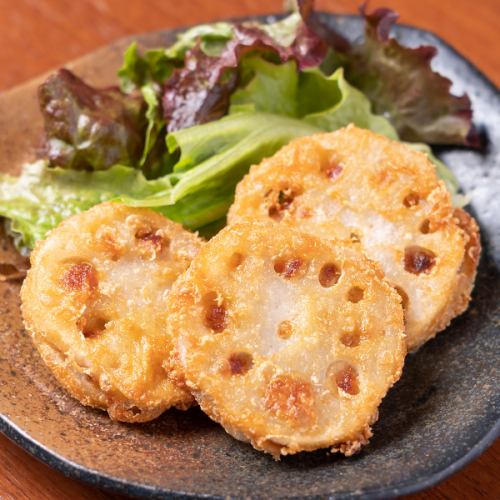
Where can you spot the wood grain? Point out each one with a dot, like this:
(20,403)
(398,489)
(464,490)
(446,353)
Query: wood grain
(37,35)
(28,479)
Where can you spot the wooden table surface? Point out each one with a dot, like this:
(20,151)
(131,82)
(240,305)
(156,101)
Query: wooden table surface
(37,35)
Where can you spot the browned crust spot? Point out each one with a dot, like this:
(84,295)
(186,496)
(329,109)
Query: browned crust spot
(355,294)
(347,380)
(215,313)
(285,330)
(412,199)
(290,399)
(289,268)
(239,363)
(236,260)
(80,277)
(334,170)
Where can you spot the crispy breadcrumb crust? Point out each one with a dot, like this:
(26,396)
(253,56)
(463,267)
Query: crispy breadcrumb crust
(459,299)
(288,342)
(358,185)
(94,303)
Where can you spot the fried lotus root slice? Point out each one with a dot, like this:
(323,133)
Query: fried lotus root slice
(94,302)
(356,185)
(289,342)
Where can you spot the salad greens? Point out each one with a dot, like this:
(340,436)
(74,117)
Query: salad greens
(327,102)
(42,196)
(402,86)
(138,70)
(90,128)
(190,119)
(200,91)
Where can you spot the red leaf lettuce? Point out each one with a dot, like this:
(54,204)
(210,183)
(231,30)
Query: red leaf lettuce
(200,91)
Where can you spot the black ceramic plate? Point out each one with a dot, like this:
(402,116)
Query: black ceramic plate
(442,414)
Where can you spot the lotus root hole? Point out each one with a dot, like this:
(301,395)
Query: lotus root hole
(425,227)
(405,300)
(334,170)
(91,325)
(355,294)
(285,330)
(215,313)
(418,260)
(239,363)
(289,398)
(152,237)
(236,260)
(329,274)
(283,202)
(412,199)
(134,410)
(289,268)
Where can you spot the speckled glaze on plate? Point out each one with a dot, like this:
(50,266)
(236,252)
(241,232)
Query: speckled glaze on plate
(443,413)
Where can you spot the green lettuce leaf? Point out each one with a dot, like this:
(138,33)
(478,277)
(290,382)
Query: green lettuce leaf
(236,142)
(213,38)
(41,197)
(327,102)
(343,104)
(283,31)
(156,65)
(267,87)
(155,160)
(138,70)
(154,119)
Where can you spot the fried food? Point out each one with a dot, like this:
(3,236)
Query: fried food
(355,184)
(287,341)
(94,302)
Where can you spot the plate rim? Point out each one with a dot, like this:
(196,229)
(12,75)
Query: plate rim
(95,478)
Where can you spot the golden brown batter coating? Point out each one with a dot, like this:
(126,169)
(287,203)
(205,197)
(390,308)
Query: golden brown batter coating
(288,341)
(356,185)
(94,302)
